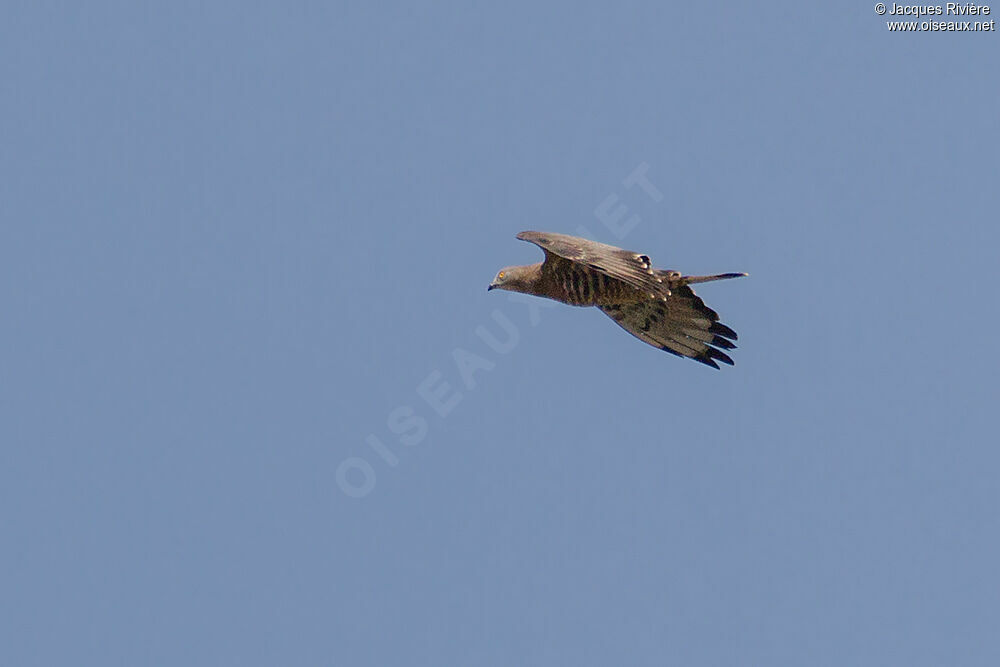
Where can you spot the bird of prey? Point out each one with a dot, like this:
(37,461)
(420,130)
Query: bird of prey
(656,306)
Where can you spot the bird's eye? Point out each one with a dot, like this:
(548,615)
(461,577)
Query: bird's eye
(500,275)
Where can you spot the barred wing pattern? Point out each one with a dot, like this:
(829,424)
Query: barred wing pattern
(682,325)
(630,267)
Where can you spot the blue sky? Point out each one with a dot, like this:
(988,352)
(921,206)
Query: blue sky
(238,239)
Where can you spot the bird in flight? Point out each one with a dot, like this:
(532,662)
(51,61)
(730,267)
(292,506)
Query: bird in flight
(656,306)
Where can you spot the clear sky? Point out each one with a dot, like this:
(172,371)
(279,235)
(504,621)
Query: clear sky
(244,253)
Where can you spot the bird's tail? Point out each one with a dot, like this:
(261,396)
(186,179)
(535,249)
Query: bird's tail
(691,280)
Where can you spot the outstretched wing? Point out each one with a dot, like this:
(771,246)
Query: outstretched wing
(682,325)
(625,265)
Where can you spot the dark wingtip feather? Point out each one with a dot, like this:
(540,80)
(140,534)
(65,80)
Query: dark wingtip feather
(706,361)
(720,355)
(722,330)
(719,341)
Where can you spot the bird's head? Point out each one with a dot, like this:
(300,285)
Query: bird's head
(511,278)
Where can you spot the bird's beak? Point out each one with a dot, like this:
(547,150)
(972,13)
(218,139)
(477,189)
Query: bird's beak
(490,287)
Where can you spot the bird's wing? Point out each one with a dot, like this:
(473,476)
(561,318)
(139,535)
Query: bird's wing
(682,325)
(625,265)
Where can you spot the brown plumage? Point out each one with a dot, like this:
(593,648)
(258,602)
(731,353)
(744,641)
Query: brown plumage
(655,306)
